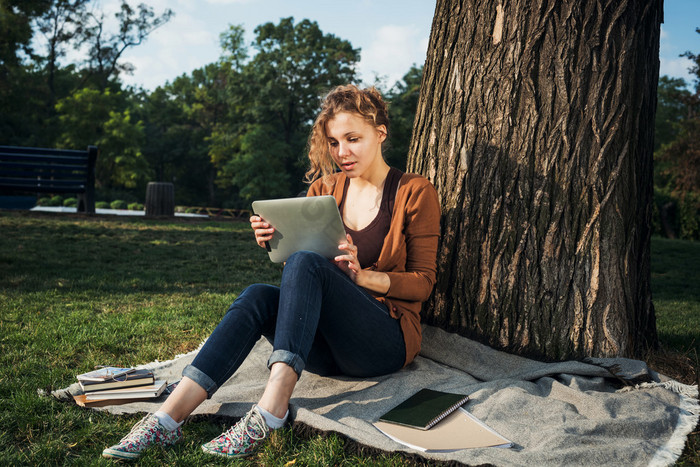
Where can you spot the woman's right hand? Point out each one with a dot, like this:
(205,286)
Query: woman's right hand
(263,230)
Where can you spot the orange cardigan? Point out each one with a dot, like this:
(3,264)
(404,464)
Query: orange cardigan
(409,252)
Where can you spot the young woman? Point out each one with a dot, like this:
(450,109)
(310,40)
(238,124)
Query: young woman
(355,316)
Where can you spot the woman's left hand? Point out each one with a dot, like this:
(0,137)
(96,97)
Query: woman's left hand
(348,262)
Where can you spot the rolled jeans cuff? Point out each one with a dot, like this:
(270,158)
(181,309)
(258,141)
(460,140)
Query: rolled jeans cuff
(291,359)
(199,377)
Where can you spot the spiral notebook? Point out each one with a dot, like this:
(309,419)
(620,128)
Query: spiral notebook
(424,409)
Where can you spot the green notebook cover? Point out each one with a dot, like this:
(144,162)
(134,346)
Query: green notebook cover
(424,409)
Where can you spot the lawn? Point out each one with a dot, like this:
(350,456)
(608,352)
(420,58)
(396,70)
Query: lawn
(76,292)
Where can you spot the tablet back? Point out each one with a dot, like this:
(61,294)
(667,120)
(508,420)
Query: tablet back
(305,223)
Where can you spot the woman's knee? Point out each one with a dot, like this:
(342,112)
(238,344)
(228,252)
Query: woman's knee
(305,258)
(257,293)
(258,299)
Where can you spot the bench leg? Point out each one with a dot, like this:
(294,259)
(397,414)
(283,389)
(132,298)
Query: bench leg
(86,203)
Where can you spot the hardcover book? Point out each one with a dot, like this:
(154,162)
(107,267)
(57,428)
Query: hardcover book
(134,378)
(104,373)
(424,409)
(140,392)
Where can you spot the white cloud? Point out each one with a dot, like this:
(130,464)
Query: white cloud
(227,2)
(184,29)
(178,47)
(676,67)
(392,52)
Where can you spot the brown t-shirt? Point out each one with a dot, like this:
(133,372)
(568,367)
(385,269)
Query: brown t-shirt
(369,241)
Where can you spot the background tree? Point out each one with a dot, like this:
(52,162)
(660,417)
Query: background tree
(106,48)
(16,83)
(59,25)
(276,92)
(677,159)
(89,117)
(403,101)
(537,130)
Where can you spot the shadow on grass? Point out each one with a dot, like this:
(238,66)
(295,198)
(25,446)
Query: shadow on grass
(125,256)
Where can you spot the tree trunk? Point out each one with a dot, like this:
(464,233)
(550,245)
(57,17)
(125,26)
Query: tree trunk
(535,123)
(160,199)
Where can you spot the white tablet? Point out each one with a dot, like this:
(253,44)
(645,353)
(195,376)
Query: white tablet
(306,223)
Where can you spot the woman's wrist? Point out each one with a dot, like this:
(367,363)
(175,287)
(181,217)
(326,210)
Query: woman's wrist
(375,281)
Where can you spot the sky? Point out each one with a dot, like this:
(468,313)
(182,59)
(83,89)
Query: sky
(392,34)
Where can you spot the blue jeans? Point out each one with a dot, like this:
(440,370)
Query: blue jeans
(318,319)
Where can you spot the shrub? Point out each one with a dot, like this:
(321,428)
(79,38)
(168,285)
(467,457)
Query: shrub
(56,200)
(689,214)
(70,202)
(676,217)
(102,205)
(135,207)
(43,201)
(118,204)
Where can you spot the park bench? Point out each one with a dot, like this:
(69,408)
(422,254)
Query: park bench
(39,170)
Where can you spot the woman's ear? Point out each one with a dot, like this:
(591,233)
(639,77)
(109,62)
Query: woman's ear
(381,129)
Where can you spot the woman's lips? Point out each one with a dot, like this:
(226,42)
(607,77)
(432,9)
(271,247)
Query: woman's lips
(348,165)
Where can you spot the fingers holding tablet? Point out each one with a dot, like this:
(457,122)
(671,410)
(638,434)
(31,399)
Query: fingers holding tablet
(263,231)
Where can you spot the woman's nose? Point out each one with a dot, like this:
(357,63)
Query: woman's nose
(343,149)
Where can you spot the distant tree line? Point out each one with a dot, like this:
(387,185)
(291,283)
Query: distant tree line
(225,134)
(677,156)
(236,129)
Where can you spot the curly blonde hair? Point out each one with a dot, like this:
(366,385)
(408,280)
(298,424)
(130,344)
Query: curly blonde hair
(366,103)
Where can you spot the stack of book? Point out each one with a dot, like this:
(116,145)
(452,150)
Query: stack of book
(113,385)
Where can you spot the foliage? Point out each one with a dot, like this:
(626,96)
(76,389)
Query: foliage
(106,48)
(16,18)
(70,202)
(272,99)
(87,117)
(56,200)
(677,159)
(671,109)
(225,134)
(118,204)
(59,25)
(403,102)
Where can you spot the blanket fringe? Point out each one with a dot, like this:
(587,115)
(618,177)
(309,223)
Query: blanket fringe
(688,417)
(681,389)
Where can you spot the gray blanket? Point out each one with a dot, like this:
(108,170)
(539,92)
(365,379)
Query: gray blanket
(566,413)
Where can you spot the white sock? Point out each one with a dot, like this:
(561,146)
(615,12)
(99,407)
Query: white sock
(272,421)
(167,421)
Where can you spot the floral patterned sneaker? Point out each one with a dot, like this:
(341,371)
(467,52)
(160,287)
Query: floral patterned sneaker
(241,439)
(144,434)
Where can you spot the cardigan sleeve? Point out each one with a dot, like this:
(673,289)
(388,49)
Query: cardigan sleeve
(421,232)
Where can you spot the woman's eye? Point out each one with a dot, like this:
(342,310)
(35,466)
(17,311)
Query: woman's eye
(352,140)
(333,144)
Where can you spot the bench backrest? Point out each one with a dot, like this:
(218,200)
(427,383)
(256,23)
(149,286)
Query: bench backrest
(47,170)
(39,170)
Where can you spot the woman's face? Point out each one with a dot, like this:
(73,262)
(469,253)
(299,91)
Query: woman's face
(355,145)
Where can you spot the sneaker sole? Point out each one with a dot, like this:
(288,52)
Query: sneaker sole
(114,454)
(230,456)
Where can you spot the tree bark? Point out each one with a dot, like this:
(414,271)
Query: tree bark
(535,123)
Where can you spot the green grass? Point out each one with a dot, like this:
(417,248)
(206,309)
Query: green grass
(77,292)
(675,278)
